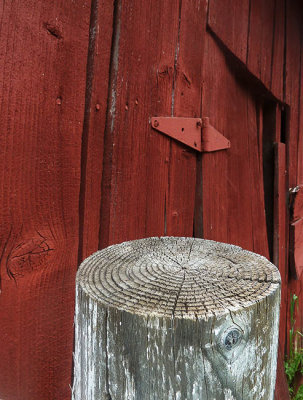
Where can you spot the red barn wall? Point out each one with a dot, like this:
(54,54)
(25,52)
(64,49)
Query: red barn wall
(81,167)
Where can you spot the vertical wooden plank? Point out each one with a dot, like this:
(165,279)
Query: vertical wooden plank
(230,21)
(232,191)
(295,255)
(292,93)
(280,247)
(43,49)
(258,217)
(260,39)
(186,102)
(136,158)
(271,134)
(300,135)
(214,165)
(97,79)
(274,161)
(279,254)
(296,248)
(296,232)
(292,83)
(278,50)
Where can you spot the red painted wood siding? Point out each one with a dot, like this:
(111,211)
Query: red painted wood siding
(82,168)
(43,47)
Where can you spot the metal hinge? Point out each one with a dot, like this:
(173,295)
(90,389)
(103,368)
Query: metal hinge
(196,133)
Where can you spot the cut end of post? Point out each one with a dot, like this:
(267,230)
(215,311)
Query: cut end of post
(177,277)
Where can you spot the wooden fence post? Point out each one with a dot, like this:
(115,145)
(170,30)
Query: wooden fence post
(176,319)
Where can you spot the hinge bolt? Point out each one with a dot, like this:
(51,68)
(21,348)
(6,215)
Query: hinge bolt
(156,123)
(199,124)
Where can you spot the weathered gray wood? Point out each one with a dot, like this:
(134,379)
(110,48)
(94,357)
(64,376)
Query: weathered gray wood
(176,319)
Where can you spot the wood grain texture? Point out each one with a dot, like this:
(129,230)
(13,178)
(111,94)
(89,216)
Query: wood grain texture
(300,136)
(214,165)
(186,101)
(295,250)
(136,158)
(277,68)
(253,31)
(279,253)
(292,84)
(234,178)
(97,79)
(230,23)
(260,39)
(43,50)
(166,318)
(296,203)
(258,211)
(296,232)
(149,181)
(144,59)
(292,95)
